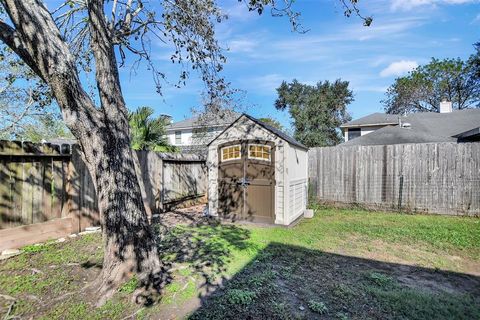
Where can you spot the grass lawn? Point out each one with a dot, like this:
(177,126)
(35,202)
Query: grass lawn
(342,264)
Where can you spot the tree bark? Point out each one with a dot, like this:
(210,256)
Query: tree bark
(103,134)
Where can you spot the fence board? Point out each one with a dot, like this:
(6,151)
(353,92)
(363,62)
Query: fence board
(436,178)
(38,184)
(45,194)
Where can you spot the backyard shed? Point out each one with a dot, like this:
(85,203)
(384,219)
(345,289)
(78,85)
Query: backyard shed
(257,173)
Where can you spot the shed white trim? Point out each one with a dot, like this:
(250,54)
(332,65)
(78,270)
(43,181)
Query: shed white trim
(290,163)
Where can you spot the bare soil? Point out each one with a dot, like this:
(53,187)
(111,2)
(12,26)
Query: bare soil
(298,273)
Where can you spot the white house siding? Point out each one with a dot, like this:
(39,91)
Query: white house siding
(369,129)
(188,138)
(363,131)
(297,177)
(245,129)
(281,147)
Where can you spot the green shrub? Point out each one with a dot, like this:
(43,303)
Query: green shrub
(380,279)
(240,297)
(129,286)
(317,307)
(33,248)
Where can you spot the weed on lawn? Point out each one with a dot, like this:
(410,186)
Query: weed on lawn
(338,286)
(317,307)
(342,264)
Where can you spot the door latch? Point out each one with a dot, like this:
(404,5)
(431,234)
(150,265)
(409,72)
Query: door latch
(243,182)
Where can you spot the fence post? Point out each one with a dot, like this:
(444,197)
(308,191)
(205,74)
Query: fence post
(400,193)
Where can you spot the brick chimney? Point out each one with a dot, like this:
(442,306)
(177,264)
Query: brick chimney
(445,106)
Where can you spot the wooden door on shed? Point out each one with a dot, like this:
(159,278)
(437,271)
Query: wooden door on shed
(246,179)
(260,182)
(230,174)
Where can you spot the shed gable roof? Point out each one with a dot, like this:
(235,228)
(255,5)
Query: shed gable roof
(282,135)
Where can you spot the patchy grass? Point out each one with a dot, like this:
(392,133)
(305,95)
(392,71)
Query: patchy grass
(342,264)
(129,286)
(338,286)
(317,307)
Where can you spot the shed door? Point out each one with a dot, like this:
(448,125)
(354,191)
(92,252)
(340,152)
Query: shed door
(247,181)
(230,174)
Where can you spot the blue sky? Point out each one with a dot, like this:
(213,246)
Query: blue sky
(264,51)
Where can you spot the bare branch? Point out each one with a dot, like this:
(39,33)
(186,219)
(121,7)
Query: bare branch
(351,7)
(10,37)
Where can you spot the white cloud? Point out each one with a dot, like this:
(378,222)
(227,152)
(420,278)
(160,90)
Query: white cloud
(242,45)
(476,19)
(239,12)
(407,5)
(324,46)
(399,68)
(265,84)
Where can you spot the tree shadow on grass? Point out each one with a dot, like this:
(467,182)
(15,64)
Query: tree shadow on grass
(204,244)
(285,282)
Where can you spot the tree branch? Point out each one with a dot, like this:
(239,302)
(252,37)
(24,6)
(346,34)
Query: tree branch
(10,37)
(352,8)
(108,80)
(45,51)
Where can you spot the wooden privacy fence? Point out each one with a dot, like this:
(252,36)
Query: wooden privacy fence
(439,178)
(47,192)
(169,178)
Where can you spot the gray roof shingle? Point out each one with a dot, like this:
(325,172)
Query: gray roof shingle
(225,118)
(424,127)
(373,119)
(395,135)
(277,132)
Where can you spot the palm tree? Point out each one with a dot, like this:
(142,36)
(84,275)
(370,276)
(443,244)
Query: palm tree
(148,133)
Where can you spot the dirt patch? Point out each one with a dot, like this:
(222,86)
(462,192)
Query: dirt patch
(186,216)
(48,279)
(405,254)
(309,284)
(358,278)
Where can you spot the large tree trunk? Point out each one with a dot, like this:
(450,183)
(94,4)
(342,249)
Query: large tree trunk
(129,241)
(102,132)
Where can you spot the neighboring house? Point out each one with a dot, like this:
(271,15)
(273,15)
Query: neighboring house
(195,133)
(368,124)
(422,127)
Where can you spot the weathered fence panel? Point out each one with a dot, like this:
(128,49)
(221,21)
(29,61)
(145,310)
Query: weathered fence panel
(46,194)
(439,178)
(167,179)
(31,186)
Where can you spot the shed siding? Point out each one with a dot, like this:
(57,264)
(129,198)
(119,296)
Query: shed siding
(297,172)
(244,129)
(291,170)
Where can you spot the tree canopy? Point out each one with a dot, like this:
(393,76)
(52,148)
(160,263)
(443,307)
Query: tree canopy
(317,110)
(272,122)
(424,88)
(44,127)
(25,100)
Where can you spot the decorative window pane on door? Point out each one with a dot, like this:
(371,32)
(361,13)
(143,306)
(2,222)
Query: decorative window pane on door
(259,152)
(231,153)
